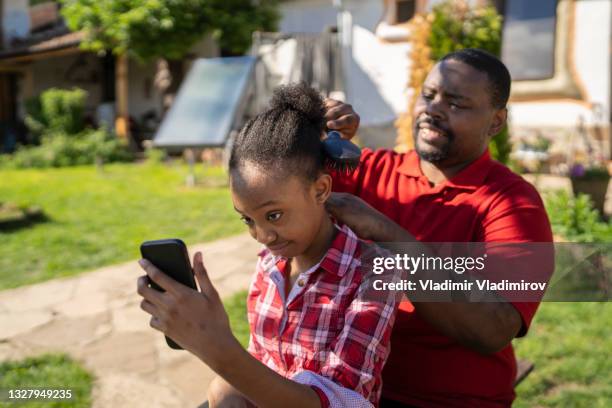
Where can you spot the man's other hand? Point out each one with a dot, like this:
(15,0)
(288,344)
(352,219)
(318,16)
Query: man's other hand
(366,221)
(340,116)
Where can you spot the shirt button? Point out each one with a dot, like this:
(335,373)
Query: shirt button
(301,282)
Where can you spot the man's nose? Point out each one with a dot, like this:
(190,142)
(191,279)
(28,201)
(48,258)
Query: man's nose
(264,236)
(434,108)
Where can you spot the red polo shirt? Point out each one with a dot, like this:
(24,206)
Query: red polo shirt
(485,202)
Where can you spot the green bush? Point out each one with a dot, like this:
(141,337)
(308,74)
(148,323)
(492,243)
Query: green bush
(56,111)
(154,155)
(456,26)
(60,150)
(575,219)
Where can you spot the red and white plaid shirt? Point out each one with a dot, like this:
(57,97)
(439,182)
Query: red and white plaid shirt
(330,333)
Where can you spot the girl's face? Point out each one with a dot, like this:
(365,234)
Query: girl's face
(284,213)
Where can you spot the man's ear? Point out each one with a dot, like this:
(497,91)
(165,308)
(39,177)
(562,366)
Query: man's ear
(322,187)
(499,121)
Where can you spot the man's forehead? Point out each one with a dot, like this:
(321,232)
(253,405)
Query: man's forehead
(455,77)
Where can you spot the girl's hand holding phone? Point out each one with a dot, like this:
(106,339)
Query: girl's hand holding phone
(195,320)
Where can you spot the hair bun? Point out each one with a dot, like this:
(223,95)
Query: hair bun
(302,98)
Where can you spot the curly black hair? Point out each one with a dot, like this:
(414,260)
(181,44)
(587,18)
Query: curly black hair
(286,138)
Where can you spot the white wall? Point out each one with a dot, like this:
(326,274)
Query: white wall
(378,77)
(142,95)
(306,16)
(53,73)
(377,72)
(592,45)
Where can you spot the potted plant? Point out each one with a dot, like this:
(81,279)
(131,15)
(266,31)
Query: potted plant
(591,180)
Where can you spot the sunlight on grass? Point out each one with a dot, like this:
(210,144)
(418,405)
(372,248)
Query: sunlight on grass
(570,344)
(100,218)
(237,312)
(49,371)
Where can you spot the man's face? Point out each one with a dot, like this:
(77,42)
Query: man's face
(284,214)
(454,118)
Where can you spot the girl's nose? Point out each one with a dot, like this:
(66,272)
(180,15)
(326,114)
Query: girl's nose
(265,236)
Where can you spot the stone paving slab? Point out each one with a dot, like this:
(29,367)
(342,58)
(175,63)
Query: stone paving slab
(96,318)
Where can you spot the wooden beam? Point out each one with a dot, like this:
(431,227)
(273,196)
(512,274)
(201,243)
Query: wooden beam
(122,127)
(28,83)
(41,55)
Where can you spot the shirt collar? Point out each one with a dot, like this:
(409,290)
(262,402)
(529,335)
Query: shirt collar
(338,260)
(469,178)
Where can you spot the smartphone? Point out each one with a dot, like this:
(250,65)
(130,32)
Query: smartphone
(171,257)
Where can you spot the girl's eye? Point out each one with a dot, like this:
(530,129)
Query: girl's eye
(274,216)
(246,220)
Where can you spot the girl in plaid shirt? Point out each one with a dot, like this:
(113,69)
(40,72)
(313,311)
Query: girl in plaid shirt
(319,333)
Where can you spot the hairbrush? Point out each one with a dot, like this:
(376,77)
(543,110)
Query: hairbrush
(340,154)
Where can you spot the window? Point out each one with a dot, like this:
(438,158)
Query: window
(404,10)
(528,44)
(400,11)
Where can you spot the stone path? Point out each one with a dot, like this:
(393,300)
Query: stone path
(95,317)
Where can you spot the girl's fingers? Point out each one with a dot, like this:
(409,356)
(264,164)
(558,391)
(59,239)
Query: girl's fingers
(156,324)
(149,307)
(151,295)
(164,281)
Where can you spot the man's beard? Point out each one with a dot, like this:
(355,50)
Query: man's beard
(442,153)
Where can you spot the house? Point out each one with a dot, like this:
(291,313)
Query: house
(558,52)
(38,51)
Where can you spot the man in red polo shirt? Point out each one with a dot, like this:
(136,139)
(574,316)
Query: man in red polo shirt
(448,189)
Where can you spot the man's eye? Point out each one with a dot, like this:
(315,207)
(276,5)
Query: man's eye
(427,96)
(274,216)
(246,220)
(454,106)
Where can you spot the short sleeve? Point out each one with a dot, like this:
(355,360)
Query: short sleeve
(517,215)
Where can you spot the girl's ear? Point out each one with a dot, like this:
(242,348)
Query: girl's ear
(322,188)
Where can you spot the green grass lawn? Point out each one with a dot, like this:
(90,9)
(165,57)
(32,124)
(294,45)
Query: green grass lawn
(235,306)
(100,218)
(49,371)
(571,346)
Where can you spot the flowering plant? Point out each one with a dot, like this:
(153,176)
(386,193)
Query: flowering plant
(580,171)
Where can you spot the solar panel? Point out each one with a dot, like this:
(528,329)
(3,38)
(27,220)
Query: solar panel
(208,104)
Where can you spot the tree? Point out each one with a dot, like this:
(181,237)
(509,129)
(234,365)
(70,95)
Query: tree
(150,29)
(236,20)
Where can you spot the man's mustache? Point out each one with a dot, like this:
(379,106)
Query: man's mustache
(435,125)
